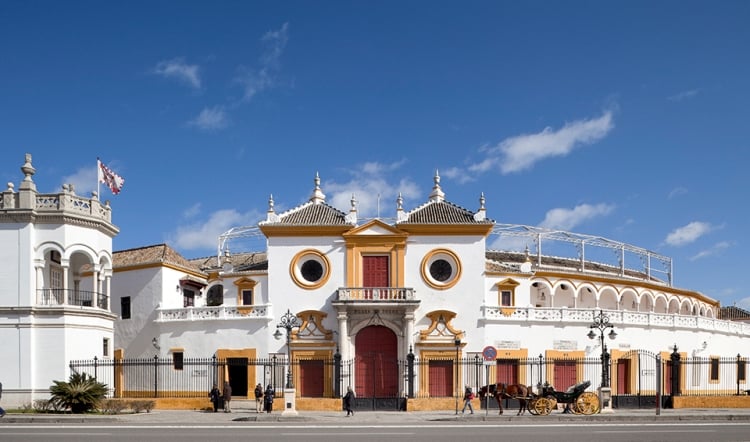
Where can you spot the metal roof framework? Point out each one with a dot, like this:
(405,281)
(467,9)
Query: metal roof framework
(538,235)
(541,236)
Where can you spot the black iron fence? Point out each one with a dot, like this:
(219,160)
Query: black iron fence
(635,377)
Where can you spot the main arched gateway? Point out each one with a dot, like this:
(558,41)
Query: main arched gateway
(376,365)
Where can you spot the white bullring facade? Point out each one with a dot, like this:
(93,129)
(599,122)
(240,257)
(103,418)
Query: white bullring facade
(424,283)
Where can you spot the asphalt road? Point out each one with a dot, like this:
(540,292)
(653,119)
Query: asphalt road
(457,431)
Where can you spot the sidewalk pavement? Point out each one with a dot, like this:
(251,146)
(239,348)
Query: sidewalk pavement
(242,415)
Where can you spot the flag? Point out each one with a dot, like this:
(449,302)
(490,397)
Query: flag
(111,179)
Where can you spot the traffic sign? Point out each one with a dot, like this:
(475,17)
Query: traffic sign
(489,353)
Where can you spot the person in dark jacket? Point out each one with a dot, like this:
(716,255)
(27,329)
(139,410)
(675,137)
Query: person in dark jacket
(349,400)
(258,398)
(215,397)
(268,398)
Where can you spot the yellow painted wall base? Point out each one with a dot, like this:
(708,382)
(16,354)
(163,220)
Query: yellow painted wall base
(711,402)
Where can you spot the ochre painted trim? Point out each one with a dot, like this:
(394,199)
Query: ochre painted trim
(447,229)
(250,354)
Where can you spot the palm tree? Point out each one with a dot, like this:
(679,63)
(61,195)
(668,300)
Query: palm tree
(81,393)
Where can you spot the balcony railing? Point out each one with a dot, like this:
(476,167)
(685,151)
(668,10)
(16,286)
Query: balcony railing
(80,298)
(586,315)
(221,312)
(376,294)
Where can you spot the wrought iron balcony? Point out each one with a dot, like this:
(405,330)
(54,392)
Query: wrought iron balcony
(376,294)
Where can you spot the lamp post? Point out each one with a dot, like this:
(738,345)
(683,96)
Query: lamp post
(601,323)
(288,322)
(458,347)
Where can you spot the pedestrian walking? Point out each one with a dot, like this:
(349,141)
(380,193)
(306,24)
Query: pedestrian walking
(349,400)
(468,397)
(215,397)
(258,398)
(227,397)
(2,410)
(268,398)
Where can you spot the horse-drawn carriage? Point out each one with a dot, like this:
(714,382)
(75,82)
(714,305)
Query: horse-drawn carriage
(575,398)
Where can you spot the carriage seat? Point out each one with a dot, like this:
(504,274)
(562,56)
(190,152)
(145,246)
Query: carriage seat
(579,386)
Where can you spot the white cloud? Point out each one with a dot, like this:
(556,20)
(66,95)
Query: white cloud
(205,235)
(688,233)
(714,250)
(677,191)
(213,118)
(178,69)
(567,219)
(256,80)
(684,95)
(521,152)
(84,180)
(192,211)
(370,186)
(459,175)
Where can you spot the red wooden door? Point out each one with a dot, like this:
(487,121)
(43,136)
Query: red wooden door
(311,378)
(441,378)
(376,364)
(507,371)
(565,375)
(623,376)
(375,271)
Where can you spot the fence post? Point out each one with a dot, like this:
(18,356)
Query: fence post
(216,372)
(96,360)
(675,358)
(658,384)
(337,373)
(156,376)
(738,374)
(410,370)
(539,384)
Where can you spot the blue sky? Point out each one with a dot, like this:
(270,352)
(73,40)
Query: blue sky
(626,120)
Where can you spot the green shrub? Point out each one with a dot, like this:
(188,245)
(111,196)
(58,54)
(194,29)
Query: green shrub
(80,394)
(43,406)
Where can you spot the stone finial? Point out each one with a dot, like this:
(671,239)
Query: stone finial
(481,214)
(28,171)
(318,196)
(399,202)
(271,215)
(351,217)
(437,195)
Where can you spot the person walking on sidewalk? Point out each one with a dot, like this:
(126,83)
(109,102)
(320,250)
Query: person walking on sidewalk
(227,397)
(215,397)
(349,400)
(258,398)
(2,410)
(268,398)
(468,397)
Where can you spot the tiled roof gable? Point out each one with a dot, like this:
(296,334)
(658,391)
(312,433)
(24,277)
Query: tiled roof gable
(311,214)
(155,254)
(442,212)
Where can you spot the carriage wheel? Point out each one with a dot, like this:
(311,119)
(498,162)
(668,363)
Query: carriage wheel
(531,405)
(587,403)
(542,406)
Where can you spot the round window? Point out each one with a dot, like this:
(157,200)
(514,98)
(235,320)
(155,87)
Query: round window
(441,269)
(310,269)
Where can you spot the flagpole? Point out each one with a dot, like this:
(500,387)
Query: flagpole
(98,181)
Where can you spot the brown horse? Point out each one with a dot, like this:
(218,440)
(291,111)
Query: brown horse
(502,391)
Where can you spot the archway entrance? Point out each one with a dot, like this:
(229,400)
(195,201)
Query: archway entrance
(377,369)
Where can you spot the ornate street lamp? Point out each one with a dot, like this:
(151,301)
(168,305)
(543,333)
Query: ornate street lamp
(288,322)
(601,323)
